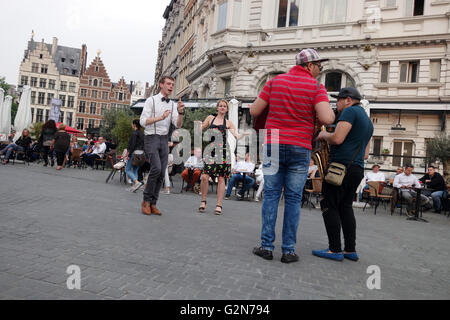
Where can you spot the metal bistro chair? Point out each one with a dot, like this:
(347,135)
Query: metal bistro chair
(374,195)
(23,154)
(123,175)
(315,191)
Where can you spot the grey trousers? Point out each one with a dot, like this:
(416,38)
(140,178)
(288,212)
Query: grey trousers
(157,150)
(408,196)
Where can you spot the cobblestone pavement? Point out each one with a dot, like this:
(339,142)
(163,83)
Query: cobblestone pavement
(50,220)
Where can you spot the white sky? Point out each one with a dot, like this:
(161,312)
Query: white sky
(126,32)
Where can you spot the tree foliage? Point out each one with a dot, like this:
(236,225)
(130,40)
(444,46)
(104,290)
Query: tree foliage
(117,126)
(199,114)
(439,149)
(35,130)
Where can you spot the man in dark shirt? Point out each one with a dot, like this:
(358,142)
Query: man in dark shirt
(433,180)
(350,146)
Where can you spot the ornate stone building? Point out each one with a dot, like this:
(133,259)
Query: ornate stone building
(396,52)
(52,71)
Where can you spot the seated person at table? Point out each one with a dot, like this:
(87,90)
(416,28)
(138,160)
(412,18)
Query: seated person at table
(434,181)
(241,166)
(194,167)
(10,140)
(375,175)
(313,172)
(98,152)
(22,145)
(405,182)
(392,176)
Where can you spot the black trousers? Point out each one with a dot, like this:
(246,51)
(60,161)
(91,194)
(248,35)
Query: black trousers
(157,151)
(337,210)
(46,153)
(60,158)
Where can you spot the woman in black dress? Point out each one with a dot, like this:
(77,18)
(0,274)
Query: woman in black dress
(45,140)
(220,169)
(60,144)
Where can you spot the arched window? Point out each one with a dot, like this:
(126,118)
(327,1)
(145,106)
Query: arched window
(265,79)
(95,83)
(335,80)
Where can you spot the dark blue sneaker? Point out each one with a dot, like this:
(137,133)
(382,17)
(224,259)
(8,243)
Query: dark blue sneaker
(325,254)
(351,256)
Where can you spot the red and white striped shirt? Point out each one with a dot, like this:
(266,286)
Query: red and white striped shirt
(291,98)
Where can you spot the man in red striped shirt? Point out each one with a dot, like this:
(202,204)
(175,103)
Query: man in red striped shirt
(294,101)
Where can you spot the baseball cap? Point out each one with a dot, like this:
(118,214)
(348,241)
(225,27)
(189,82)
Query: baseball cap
(308,55)
(348,92)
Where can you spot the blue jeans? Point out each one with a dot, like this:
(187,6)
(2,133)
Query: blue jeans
(437,196)
(9,149)
(249,182)
(132,171)
(293,165)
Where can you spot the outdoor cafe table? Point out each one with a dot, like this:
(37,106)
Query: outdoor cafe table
(418,211)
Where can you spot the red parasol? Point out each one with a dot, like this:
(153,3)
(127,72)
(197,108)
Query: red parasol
(71,130)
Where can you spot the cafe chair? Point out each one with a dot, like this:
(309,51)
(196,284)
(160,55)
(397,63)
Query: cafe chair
(375,196)
(315,191)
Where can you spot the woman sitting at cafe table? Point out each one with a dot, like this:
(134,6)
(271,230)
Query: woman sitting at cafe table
(21,145)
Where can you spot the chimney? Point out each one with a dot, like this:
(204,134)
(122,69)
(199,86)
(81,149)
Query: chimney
(83,59)
(54,46)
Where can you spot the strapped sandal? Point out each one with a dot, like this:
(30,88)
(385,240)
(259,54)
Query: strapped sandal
(202,209)
(217,212)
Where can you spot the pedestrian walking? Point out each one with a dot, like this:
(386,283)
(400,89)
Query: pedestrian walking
(60,143)
(294,100)
(159,112)
(136,142)
(45,140)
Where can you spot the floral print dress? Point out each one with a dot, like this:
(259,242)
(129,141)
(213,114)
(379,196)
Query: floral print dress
(221,168)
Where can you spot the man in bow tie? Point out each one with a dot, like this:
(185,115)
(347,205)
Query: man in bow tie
(159,112)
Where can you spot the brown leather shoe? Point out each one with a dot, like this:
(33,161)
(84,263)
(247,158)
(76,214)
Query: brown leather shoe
(146,208)
(155,210)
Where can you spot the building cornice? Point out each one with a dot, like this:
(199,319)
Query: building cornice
(346,44)
(409,85)
(199,71)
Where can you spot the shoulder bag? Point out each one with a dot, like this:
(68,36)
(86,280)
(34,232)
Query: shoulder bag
(337,171)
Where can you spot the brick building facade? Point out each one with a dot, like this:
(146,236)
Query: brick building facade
(97,93)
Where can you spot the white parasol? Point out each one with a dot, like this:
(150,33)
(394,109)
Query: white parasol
(5,116)
(23,116)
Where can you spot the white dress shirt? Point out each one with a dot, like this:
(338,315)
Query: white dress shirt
(243,166)
(194,163)
(404,180)
(100,150)
(372,176)
(160,128)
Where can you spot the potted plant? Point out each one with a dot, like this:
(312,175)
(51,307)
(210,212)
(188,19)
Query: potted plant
(385,153)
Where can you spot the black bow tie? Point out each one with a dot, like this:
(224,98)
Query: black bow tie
(165,100)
